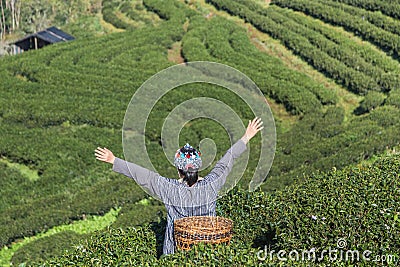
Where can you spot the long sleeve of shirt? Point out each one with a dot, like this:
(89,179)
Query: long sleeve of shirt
(223,167)
(149,180)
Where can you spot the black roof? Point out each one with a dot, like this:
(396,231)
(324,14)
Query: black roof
(51,35)
(60,33)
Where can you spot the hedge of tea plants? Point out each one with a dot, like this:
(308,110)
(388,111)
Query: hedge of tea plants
(390,8)
(387,41)
(128,15)
(297,92)
(376,18)
(108,10)
(336,60)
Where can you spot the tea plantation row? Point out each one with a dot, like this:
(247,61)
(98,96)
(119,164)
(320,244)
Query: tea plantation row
(387,41)
(390,8)
(335,60)
(135,14)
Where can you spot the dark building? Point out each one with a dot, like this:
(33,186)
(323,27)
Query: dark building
(39,39)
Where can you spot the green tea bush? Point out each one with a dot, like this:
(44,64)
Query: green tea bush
(393,98)
(43,213)
(131,215)
(42,249)
(108,9)
(376,18)
(143,212)
(49,125)
(278,82)
(112,248)
(315,145)
(371,101)
(343,51)
(330,124)
(386,116)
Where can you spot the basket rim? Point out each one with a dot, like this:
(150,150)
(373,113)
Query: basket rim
(218,225)
(204,216)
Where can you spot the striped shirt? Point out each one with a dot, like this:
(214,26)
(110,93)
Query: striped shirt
(179,199)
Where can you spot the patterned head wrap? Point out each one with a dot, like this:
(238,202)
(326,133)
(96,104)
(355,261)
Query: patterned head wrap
(187,157)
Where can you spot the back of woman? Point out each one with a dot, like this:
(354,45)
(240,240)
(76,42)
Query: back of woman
(190,195)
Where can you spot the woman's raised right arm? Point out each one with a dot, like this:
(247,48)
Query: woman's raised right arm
(149,180)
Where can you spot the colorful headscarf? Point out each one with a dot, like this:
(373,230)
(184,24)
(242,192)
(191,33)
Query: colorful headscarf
(187,157)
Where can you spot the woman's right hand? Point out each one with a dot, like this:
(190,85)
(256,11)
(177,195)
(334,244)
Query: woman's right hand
(103,154)
(252,129)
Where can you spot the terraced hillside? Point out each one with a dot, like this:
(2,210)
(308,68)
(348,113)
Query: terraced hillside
(329,70)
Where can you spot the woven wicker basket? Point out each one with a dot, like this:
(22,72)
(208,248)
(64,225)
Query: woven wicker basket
(208,229)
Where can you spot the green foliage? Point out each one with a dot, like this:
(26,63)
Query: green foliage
(28,16)
(127,15)
(394,98)
(320,138)
(55,88)
(42,213)
(371,101)
(376,18)
(365,59)
(387,41)
(357,204)
(314,144)
(113,247)
(140,213)
(296,91)
(68,237)
(60,102)
(108,11)
(85,27)
(390,8)
(337,61)
(28,244)
(386,116)
(40,250)
(138,13)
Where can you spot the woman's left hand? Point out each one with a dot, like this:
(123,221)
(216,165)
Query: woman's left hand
(252,129)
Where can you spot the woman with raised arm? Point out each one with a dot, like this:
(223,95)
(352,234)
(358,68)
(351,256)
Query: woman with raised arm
(190,195)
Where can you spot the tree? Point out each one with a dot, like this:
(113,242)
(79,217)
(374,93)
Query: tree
(2,21)
(10,11)
(33,15)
